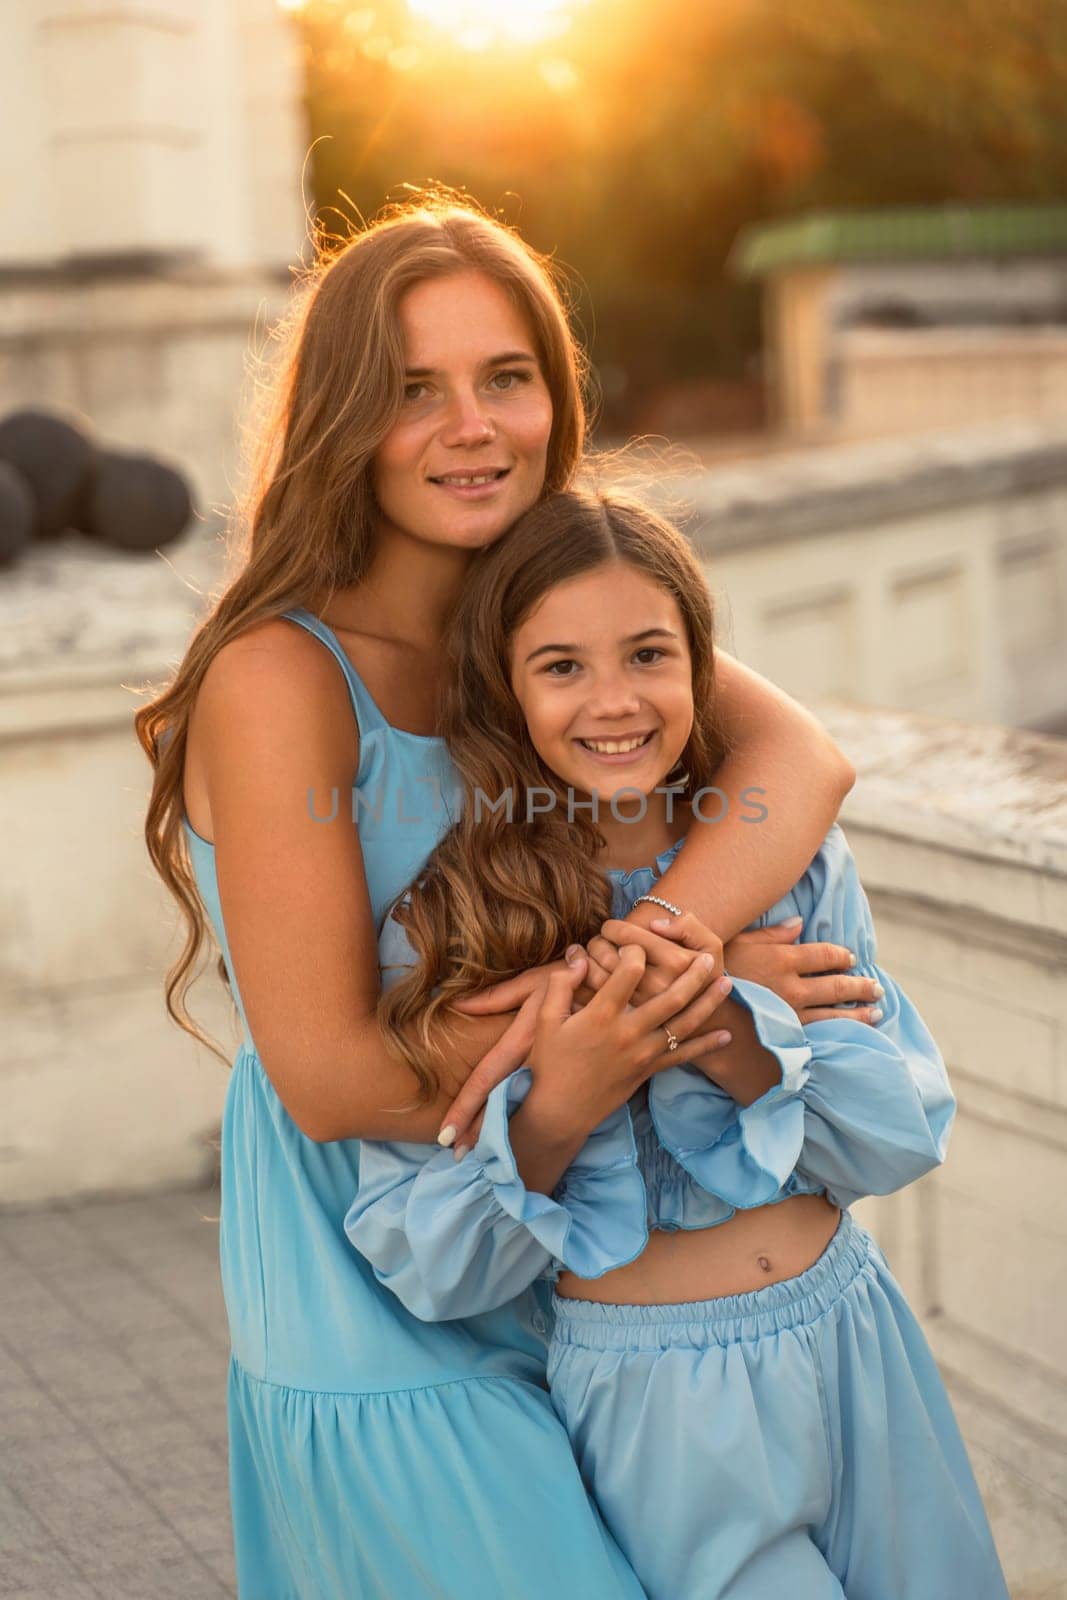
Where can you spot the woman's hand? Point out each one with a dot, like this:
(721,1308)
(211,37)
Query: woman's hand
(511,993)
(813,978)
(521,995)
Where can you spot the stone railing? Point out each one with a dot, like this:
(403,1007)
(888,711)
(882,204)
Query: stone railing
(98,1090)
(960,834)
(929,574)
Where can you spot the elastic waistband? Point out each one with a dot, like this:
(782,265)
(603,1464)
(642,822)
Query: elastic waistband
(728,1319)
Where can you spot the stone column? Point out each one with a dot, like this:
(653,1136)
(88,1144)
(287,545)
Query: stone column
(150,158)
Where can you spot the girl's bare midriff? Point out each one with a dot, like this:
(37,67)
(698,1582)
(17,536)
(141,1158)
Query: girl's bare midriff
(752,1250)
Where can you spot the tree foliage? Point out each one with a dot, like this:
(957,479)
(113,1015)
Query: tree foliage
(638,145)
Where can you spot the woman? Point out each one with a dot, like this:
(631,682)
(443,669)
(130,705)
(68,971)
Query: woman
(432,394)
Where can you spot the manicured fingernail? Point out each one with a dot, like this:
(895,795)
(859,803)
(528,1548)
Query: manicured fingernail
(660,922)
(447,1136)
(876,1014)
(708,962)
(573,954)
(879,991)
(851,959)
(723,1040)
(725,985)
(792,922)
(461,1150)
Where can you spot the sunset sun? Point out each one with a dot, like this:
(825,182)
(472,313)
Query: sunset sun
(477,24)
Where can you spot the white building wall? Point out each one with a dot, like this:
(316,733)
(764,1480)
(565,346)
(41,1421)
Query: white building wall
(161,126)
(926,574)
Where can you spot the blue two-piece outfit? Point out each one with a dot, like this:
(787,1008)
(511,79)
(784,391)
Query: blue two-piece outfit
(373,1455)
(793,1441)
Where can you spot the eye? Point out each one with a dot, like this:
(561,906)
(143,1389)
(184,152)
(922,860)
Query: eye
(550,670)
(649,650)
(416,391)
(510,378)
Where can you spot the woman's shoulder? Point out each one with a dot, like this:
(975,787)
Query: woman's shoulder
(275,648)
(273,696)
(271,667)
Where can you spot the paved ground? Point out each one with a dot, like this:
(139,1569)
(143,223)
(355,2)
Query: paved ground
(112,1402)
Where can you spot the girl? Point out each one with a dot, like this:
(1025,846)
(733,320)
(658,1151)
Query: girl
(428,396)
(752,1404)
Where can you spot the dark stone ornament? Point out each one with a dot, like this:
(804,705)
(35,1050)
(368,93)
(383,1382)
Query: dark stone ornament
(135,502)
(18,511)
(53,456)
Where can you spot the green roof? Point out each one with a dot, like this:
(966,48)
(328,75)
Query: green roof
(917,233)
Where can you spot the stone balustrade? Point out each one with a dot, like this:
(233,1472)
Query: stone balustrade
(928,574)
(960,834)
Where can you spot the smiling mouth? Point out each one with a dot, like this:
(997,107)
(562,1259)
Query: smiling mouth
(614,747)
(470,480)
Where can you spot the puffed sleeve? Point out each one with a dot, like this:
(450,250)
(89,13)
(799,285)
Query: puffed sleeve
(454,1238)
(859,1110)
(878,1105)
(743,1154)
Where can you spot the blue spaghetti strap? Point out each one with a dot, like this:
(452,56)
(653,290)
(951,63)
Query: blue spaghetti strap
(368,716)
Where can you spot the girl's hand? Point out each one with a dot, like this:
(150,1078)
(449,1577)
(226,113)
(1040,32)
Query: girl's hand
(587,1063)
(690,1022)
(667,957)
(813,978)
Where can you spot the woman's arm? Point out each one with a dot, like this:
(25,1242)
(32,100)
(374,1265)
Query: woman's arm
(794,777)
(275,724)
(858,1109)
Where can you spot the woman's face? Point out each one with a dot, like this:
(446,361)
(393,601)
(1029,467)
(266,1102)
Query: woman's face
(604,660)
(466,457)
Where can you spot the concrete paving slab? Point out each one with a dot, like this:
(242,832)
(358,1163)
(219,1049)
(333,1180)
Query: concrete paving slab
(113,1356)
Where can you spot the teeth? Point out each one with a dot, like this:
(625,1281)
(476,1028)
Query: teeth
(489,477)
(613,747)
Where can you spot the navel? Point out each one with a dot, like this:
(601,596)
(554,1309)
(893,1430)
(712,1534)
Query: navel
(764,1263)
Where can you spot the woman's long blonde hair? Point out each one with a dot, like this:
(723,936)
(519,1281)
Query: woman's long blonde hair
(307,523)
(500,894)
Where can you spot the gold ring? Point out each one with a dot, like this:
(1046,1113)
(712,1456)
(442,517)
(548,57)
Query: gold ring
(672,1042)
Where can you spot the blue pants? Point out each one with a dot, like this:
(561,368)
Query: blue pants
(795,1443)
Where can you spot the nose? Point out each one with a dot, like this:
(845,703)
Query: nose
(466,420)
(612,700)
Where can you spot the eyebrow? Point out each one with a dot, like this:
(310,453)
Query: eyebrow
(574,649)
(492,361)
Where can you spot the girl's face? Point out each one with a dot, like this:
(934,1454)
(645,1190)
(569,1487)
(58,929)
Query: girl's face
(603,661)
(466,457)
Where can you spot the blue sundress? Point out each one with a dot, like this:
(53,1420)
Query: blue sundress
(372,1456)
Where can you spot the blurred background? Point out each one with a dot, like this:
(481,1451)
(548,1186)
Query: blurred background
(824,248)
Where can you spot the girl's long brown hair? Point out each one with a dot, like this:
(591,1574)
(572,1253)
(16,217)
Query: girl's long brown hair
(307,523)
(499,895)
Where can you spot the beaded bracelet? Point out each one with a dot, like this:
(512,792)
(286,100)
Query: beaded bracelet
(656,901)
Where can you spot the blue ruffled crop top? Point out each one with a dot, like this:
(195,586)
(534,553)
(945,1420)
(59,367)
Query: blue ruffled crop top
(858,1110)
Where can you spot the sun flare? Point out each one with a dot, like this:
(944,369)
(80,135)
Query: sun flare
(478,24)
